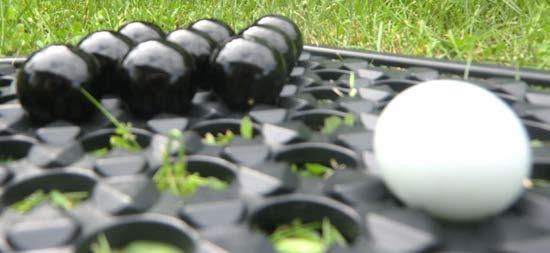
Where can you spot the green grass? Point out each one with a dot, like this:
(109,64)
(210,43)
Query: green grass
(510,32)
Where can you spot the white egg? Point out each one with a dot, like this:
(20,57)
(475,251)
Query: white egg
(453,149)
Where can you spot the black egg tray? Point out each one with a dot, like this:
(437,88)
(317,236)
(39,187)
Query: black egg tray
(125,205)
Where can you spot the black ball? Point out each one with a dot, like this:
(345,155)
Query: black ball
(275,38)
(247,72)
(108,47)
(217,30)
(49,83)
(156,77)
(286,25)
(140,31)
(200,46)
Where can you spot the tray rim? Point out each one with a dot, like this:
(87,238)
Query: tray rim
(482,70)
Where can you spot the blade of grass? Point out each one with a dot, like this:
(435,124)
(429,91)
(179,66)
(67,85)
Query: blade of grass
(101,108)
(247,130)
(30,202)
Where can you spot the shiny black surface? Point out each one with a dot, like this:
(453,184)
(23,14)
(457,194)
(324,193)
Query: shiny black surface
(248,72)
(198,45)
(275,38)
(286,25)
(108,47)
(217,30)
(156,76)
(141,31)
(48,85)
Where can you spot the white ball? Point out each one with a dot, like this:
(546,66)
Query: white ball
(453,149)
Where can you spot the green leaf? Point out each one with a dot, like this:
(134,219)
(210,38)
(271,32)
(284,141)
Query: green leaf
(141,246)
(220,139)
(352,80)
(175,177)
(100,152)
(30,202)
(58,199)
(298,237)
(209,139)
(331,124)
(247,130)
(352,89)
(312,170)
(223,139)
(216,183)
(331,235)
(349,119)
(150,247)
(298,245)
(67,200)
(101,245)
(316,169)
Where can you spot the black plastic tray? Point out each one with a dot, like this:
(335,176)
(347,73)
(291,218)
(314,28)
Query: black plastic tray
(125,204)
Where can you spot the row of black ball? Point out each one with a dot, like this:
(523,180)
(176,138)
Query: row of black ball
(153,72)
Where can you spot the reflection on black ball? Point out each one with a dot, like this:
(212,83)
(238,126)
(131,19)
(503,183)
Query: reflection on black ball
(108,48)
(200,46)
(141,31)
(49,83)
(156,76)
(248,72)
(275,38)
(286,25)
(217,30)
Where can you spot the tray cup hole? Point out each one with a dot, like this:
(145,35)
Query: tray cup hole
(63,182)
(121,234)
(268,218)
(11,150)
(315,119)
(221,126)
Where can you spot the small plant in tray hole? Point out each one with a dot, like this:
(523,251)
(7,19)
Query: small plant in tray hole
(223,138)
(299,237)
(123,137)
(333,122)
(65,200)
(174,176)
(316,169)
(139,246)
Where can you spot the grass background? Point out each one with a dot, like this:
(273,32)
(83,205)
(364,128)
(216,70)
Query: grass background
(509,32)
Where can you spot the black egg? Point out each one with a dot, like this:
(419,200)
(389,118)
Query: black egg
(108,48)
(49,83)
(275,38)
(141,31)
(156,77)
(217,30)
(287,26)
(200,46)
(247,72)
